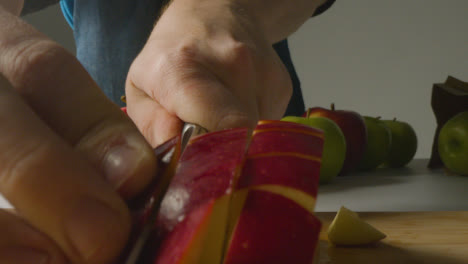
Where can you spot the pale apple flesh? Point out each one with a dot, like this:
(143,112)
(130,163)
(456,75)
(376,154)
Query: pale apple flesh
(347,229)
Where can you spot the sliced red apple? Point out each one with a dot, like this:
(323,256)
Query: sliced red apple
(280,173)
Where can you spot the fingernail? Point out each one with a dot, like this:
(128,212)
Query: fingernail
(122,160)
(23,255)
(95,229)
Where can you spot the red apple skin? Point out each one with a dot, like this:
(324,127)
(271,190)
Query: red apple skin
(274,230)
(354,129)
(284,153)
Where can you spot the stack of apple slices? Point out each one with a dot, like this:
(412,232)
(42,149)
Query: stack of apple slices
(243,197)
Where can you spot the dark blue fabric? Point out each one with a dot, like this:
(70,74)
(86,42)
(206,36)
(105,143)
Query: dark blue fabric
(110,34)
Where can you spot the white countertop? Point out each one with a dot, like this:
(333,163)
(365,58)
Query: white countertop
(414,188)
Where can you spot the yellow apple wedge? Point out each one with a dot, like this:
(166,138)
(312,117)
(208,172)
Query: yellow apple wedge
(347,229)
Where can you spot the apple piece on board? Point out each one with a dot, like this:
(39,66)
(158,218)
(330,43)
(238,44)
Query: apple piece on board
(273,229)
(379,139)
(354,130)
(334,148)
(404,143)
(453,144)
(347,229)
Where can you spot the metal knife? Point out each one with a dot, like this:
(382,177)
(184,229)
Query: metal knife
(171,159)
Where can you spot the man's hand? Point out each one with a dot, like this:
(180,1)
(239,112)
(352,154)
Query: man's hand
(66,153)
(209,64)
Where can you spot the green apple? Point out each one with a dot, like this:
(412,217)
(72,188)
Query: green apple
(453,144)
(379,140)
(334,149)
(404,143)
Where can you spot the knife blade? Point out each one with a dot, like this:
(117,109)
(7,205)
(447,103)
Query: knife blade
(171,158)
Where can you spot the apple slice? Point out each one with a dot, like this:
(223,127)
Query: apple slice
(205,173)
(347,229)
(184,244)
(273,229)
(282,173)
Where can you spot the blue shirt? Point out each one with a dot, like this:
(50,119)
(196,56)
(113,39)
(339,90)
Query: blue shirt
(110,36)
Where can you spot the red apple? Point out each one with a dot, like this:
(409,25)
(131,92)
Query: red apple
(276,167)
(354,129)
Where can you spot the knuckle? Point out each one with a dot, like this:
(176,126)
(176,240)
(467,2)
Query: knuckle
(241,55)
(34,61)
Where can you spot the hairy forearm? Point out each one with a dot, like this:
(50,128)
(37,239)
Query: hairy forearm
(276,19)
(13,6)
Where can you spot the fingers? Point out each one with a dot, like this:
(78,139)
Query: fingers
(62,93)
(156,124)
(55,189)
(20,243)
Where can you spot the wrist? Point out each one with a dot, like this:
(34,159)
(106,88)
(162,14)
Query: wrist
(274,19)
(209,19)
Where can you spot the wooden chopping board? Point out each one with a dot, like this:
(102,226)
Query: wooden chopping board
(412,237)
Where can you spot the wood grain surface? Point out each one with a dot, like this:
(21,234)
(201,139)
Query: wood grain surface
(412,237)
